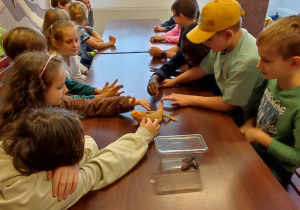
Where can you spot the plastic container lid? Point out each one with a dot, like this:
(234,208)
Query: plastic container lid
(192,143)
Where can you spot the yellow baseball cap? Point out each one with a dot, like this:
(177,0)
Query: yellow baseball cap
(216,16)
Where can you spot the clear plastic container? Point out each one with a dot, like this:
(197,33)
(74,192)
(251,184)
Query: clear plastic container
(173,149)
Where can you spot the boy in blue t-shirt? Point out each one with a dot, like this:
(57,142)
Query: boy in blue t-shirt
(275,132)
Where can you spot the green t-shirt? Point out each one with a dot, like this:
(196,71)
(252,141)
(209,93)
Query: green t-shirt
(240,82)
(279,116)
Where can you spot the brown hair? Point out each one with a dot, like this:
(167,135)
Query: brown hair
(21,39)
(188,8)
(24,87)
(54,3)
(56,32)
(52,15)
(283,35)
(78,12)
(195,52)
(44,139)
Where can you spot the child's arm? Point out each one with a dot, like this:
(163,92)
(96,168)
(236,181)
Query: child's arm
(156,52)
(258,136)
(283,152)
(165,71)
(96,43)
(78,88)
(100,107)
(166,26)
(192,74)
(64,181)
(93,34)
(142,102)
(164,38)
(250,123)
(153,85)
(214,103)
(109,91)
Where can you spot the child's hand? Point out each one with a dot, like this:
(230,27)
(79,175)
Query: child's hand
(64,181)
(167,83)
(109,91)
(86,72)
(152,87)
(157,38)
(247,125)
(159,28)
(179,99)
(152,127)
(257,135)
(143,102)
(155,51)
(112,39)
(87,28)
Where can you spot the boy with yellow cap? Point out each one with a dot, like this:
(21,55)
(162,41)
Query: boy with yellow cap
(232,59)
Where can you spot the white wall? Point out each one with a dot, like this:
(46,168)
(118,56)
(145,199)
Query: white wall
(137,3)
(289,4)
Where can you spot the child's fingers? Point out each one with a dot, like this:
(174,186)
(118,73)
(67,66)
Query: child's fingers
(148,120)
(143,121)
(62,186)
(75,183)
(156,122)
(105,86)
(55,183)
(113,84)
(49,174)
(119,93)
(145,104)
(68,186)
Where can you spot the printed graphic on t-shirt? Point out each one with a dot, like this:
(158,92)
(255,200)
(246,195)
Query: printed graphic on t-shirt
(268,113)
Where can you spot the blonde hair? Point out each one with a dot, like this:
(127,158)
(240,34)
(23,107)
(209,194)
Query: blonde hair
(56,31)
(284,35)
(22,39)
(78,12)
(52,15)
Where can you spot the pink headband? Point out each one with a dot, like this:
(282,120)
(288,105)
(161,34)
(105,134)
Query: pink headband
(45,66)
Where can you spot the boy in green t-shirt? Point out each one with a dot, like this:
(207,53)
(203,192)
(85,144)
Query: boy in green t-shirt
(276,135)
(232,59)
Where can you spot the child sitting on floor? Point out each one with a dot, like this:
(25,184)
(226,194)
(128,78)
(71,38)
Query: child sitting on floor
(275,132)
(46,138)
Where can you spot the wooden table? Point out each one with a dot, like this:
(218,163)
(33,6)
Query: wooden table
(132,36)
(231,174)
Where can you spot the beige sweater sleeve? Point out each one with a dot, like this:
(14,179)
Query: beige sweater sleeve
(108,165)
